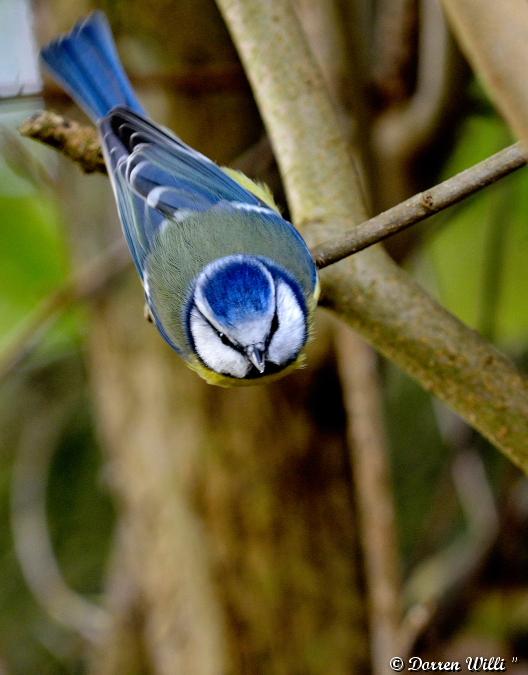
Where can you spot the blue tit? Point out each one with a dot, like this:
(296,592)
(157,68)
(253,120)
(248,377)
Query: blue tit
(229,283)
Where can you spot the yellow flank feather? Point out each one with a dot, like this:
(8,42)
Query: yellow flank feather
(260,190)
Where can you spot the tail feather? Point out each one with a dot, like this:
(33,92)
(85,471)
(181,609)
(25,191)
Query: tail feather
(87,65)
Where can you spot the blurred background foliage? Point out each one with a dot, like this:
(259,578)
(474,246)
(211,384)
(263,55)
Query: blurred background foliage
(472,257)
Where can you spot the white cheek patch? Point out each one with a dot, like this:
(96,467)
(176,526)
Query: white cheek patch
(213,352)
(290,336)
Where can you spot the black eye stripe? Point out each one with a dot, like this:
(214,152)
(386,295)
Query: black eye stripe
(221,336)
(273,328)
(274,324)
(227,342)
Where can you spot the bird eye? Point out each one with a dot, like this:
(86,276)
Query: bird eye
(225,340)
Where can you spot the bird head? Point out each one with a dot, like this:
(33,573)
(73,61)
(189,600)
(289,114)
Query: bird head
(247,317)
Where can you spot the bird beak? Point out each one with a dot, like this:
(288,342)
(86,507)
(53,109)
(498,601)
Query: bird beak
(256,356)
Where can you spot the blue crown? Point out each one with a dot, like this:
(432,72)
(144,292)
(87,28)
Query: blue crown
(238,289)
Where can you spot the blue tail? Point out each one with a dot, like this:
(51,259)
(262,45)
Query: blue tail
(85,62)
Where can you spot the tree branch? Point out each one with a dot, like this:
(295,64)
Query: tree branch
(421,206)
(369,291)
(79,142)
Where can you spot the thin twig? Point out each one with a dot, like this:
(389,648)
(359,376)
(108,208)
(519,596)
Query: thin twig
(421,206)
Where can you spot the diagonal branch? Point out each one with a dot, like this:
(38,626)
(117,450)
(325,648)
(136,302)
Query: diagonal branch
(368,291)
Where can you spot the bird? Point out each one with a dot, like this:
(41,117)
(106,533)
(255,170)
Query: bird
(230,284)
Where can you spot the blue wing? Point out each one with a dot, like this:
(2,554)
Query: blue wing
(158,177)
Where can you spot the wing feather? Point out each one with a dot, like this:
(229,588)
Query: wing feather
(156,177)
